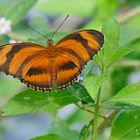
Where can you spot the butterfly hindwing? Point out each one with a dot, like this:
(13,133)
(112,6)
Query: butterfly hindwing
(44,73)
(67,71)
(38,75)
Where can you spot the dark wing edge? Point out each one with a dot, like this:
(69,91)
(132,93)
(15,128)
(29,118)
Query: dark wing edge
(100,36)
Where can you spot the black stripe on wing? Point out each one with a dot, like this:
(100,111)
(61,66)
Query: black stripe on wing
(36,71)
(97,35)
(83,41)
(72,52)
(15,49)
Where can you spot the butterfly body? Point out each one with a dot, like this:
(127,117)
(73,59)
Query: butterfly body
(51,50)
(42,67)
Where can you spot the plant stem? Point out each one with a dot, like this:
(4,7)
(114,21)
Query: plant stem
(128,63)
(97,107)
(110,117)
(86,109)
(122,18)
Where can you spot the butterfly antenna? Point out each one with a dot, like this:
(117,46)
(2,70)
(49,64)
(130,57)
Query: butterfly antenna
(59,26)
(36,31)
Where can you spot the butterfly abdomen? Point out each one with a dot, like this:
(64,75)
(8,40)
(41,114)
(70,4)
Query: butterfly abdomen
(53,71)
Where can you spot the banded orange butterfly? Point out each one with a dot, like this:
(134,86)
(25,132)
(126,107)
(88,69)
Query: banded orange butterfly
(41,67)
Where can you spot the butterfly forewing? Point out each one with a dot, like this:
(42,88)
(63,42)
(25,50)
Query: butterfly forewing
(81,46)
(12,56)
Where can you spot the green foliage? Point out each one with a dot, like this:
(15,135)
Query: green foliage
(61,128)
(126,126)
(69,7)
(31,101)
(49,137)
(130,31)
(85,131)
(89,68)
(128,95)
(119,77)
(21,8)
(106,10)
(4,38)
(111,35)
(92,83)
(80,92)
(110,52)
(118,53)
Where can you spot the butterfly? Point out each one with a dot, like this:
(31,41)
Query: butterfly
(41,67)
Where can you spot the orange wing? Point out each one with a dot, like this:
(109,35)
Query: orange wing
(29,62)
(44,73)
(81,46)
(14,56)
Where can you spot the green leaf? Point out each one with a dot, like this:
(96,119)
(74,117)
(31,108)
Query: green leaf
(84,132)
(106,58)
(117,54)
(80,92)
(39,22)
(63,129)
(128,95)
(88,68)
(106,10)
(121,106)
(126,126)
(110,51)
(130,31)
(40,42)
(19,9)
(111,30)
(63,7)
(31,101)
(4,39)
(4,7)
(92,83)
(119,78)
(49,137)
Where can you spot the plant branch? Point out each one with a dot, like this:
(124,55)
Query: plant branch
(128,63)
(129,14)
(110,117)
(97,107)
(90,111)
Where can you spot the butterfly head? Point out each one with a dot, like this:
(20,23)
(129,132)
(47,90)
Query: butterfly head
(50,42)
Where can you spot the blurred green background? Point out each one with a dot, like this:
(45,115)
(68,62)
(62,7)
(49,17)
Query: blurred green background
(46,16)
